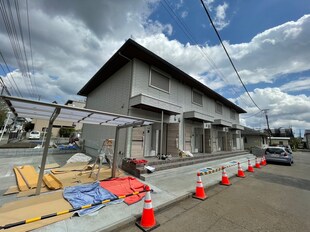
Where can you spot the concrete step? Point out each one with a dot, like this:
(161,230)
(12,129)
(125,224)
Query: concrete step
(175,163)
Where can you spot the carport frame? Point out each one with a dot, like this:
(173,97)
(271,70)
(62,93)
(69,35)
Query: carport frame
(108,119)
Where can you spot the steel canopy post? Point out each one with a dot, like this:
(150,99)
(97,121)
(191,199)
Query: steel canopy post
(114,165)
(47,142)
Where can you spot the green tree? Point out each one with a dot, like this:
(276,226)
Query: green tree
(3,112)
(65,131)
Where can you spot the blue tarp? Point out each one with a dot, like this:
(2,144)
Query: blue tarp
(88,194)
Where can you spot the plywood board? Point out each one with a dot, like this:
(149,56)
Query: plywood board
(34,207)
(51,181)
(11,190)
(32,192)
(22,185)
(79,166)
(51,166)
(29,175)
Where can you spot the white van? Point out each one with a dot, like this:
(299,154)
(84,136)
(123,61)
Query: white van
(34,135)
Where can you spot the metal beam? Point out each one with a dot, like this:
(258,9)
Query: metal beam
(114,164)
(45,151)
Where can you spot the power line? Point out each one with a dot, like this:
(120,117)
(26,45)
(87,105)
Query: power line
(10,75)
(230,60)
(189,35)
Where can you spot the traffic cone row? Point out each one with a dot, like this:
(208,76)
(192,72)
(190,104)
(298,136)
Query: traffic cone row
(257,165)
(263,161)
(225,180)
(250,167)
(200,191)
(147,221)
(240,171)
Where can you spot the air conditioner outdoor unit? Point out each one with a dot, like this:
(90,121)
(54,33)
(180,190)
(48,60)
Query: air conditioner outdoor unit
(207,125)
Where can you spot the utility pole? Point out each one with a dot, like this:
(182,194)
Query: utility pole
(269,131)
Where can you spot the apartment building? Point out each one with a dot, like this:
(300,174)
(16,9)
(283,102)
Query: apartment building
(190,116)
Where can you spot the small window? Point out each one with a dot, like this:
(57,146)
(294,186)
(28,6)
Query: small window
(197,98)
(232,114)
(219,108)
(159,81)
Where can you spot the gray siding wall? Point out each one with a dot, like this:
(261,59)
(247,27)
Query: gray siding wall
(110,96)
(180,94)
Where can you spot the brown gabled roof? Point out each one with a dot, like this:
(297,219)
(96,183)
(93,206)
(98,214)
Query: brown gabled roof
(131,50)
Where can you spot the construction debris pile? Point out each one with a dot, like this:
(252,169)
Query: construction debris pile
(65,189)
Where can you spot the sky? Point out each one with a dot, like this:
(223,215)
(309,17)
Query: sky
(51,49)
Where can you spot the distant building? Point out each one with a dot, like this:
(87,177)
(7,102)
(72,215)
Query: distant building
(253,138)
(279,140)
(41,124)
(307,138)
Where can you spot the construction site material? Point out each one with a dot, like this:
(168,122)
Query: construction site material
(123,186)
(88,194)
(78,166)
(225,180)
(51,181)
(240,171)
(11,190)
(147,221)
(28,224)
(200,191)
(26,176)
(98,161)
(51,166)
(31,192)
(32,207)
(79,157)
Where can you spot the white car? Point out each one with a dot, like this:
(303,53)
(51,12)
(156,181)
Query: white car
(34,135)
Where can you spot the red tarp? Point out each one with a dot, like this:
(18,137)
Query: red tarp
(123,186)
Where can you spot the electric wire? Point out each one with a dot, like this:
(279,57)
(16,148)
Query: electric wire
(230,60)
(9,72)
(189,35)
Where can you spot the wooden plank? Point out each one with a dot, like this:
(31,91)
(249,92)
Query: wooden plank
(29,175)
(22,185)
(52,182)
(11,190)
(51,166)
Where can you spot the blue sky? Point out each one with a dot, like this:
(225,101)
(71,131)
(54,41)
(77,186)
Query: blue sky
(268,41)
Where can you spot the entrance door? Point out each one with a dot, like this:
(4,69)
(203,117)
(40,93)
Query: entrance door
(208,140)
(173,139)
(198,139)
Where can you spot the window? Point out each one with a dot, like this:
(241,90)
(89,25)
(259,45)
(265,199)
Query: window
(159,81)
(219,108)
(232,114)
(197,98)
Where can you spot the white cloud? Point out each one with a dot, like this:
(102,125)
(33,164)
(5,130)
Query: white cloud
(297,85)
(184,14)
(220,16)
(284,110)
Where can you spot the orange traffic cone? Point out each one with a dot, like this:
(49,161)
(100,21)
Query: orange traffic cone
(147,221)
(200,191)
(240,171)
(225,180)
(257,165)
(263,161)
(250,167)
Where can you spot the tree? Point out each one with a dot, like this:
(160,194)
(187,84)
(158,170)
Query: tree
(3,112)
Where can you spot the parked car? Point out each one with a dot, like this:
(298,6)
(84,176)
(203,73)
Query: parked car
(279,154)
(34,135)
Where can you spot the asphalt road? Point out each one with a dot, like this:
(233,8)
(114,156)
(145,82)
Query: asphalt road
(274,198)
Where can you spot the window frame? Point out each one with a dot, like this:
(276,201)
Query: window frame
(200,93)
(163,74)
(233,114)
(216,110)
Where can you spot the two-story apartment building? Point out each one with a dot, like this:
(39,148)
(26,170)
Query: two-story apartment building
(190,116)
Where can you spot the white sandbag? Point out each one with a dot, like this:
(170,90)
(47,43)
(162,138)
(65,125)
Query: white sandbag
(79,157)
